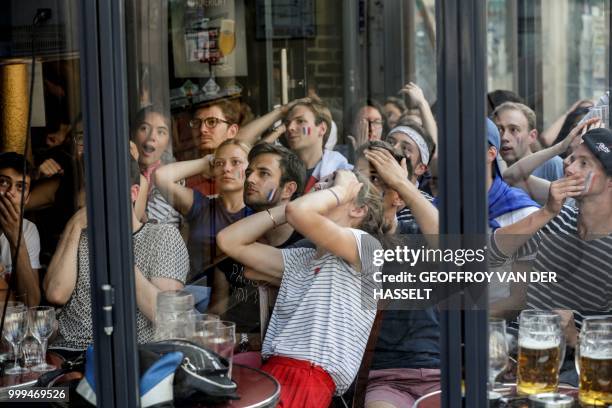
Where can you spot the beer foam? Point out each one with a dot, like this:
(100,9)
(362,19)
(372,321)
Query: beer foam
(597,354)
(535,344)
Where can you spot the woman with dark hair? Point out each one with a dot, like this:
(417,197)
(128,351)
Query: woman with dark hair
(57,191)
(151,135)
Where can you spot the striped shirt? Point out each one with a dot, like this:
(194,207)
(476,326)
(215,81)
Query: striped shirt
(406,215)
(160,210)
(320,314)
(584,279)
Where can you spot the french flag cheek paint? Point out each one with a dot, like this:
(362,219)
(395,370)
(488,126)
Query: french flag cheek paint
(306,131)
(271,195)
(239,174)
(588,182)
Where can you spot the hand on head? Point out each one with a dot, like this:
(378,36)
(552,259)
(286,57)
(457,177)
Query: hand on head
(575,136)
(346,182)
(288,106)
(389,170)
(133,150)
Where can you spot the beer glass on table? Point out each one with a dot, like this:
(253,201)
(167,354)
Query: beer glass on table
(541,350)
(594,355)
(498,349)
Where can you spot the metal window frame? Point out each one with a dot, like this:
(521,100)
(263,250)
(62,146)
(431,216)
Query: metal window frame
(462,87)
(529,37)
(105,114)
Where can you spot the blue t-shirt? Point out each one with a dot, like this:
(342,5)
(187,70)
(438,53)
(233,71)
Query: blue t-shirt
(206,218)
(551,170)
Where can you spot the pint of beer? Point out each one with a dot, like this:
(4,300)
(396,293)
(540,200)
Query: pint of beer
(540,352)
(595,363)
(538,366)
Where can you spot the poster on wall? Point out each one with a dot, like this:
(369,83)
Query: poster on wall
(208,35)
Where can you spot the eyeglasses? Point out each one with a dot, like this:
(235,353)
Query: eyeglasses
(211,122)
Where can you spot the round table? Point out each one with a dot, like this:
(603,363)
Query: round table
(434,399)
(256,388)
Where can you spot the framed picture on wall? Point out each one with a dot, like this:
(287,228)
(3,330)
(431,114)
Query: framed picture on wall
(208,35)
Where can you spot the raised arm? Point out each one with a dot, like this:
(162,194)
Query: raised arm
(396,177)
(510,238)
(43,194)
(27,277)
(548,136)
(239,242)
(307,215)
(519,174)
(166,178)
(252,131)
(427,117)
(61,275)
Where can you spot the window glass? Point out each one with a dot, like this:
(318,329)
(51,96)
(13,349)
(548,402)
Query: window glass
(51,270)
(211,80)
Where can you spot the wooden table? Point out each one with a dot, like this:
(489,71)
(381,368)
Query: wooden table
(434,399)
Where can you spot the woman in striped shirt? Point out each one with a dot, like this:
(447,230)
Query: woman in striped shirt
(325,309)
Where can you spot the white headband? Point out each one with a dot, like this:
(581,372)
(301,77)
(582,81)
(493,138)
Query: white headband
(416,138)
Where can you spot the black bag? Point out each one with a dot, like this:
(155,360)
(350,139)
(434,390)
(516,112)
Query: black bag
(201,376)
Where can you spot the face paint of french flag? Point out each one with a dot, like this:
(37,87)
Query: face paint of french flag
(271,195)
(306,131)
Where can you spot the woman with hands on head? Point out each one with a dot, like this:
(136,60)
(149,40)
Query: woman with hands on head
(207,215)
(320,325)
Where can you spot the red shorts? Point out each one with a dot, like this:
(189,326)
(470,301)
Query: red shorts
(303,384)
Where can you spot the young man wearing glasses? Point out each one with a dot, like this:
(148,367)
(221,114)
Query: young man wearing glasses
(11,189)
(211,125)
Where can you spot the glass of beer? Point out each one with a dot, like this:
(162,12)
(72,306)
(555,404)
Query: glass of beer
(595,362)
(540,352)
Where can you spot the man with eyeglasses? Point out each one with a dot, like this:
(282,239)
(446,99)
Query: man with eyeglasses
(12,188)
(211,125)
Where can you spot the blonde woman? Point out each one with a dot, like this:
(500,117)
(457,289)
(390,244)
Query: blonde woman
(320,325)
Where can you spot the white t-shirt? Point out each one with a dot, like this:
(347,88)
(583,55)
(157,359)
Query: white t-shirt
(501,290)
(324,310)
(32,240)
